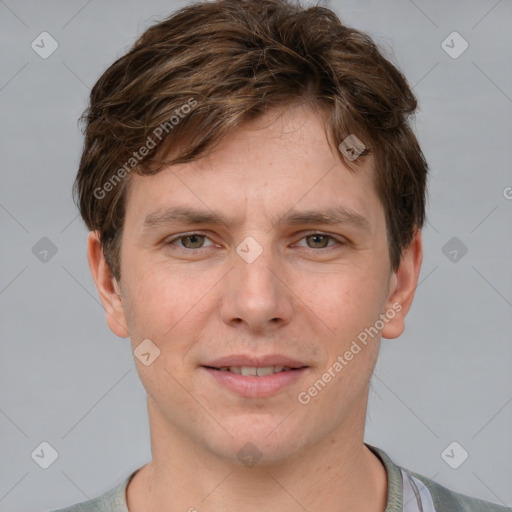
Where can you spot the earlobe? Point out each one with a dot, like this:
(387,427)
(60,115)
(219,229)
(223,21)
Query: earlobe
(402,287)
(107,286)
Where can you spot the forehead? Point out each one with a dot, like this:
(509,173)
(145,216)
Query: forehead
(277,163)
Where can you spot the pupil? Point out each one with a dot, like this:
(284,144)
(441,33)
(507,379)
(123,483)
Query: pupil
(195,239)
(316,237)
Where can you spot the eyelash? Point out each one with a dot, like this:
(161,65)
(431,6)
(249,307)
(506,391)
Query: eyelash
(313,233)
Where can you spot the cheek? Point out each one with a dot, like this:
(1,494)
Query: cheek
(164,298)
(344,302)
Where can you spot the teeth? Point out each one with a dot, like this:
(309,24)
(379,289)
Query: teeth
(267,370)
(251,371)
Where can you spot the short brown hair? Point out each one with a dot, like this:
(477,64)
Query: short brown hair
(214,65)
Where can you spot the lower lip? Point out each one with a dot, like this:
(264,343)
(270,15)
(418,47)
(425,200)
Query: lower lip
(256,387)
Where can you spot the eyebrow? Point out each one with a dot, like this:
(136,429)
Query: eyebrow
(330,216)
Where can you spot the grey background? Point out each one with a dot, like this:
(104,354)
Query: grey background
(67,380)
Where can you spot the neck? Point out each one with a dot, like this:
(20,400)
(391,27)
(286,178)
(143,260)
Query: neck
(340,473)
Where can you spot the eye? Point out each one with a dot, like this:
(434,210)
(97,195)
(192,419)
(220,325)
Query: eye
(189,241)
(196,241)
(320,241)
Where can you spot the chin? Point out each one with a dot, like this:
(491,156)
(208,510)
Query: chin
(259,441)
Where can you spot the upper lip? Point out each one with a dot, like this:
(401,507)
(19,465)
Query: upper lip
(255,361)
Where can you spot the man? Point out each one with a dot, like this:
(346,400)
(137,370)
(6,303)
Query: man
(255,198)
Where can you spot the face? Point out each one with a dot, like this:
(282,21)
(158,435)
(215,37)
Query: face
(267,253)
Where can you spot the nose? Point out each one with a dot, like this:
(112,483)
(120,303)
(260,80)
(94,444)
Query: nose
(256,294)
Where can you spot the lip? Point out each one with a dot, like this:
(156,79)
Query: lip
(256,387)
(255,361)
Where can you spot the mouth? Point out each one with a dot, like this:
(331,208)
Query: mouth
(253,377)
(254,371)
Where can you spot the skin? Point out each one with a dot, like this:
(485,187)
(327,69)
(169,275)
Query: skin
(198,300)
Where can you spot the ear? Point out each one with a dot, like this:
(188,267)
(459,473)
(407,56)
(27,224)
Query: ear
(108,288)
(402,286)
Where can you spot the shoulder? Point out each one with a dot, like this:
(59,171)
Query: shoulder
(106,503)
(412,492)
(113,500)
(446,500)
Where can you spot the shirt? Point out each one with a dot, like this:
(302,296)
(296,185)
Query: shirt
(407,492)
